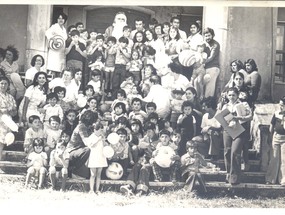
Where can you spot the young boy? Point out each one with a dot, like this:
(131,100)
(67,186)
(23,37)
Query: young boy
(128,84)
(37,160)
(110,63)
(59,161)
(163,145)
(52,133)
(34,131)
(97,84)
(176,104)
(123,55)
(75,51)
(137,112)
(52,108)
(127,34)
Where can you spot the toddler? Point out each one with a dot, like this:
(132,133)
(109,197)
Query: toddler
(59,161)
(52,133)
(121,97)
(37,160)
(127,84)
(134,93)
(69,121)
(97,83)
(148,71)
(119,110)
(135,66)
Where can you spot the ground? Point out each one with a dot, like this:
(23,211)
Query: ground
(13,195)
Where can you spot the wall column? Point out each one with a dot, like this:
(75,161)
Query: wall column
(216,17)
(39,20)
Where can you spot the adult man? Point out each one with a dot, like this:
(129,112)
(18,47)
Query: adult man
(139,24)
(79,26)
(160,96)
(116,29)
(175,22)
(212,65)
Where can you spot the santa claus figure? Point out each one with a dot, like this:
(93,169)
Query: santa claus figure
(116,29)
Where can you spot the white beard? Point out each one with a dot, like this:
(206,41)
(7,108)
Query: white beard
(118,30)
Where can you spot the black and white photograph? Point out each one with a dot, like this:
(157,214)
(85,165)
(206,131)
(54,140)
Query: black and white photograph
(134,105)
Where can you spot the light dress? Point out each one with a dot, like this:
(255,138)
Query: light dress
(96,157)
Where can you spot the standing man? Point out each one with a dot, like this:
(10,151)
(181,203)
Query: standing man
(139,24)
(175,23)
(212,64)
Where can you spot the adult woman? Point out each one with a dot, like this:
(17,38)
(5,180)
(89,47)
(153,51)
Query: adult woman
(253,78)
(35,97)
(212,64)
(56,36)
(11,69)
(165,31)
(79,142)
(195,37)
(158,30)
(236,66)
(154,42)
(66,82)
(139,42)
(8,107)
(191,95)
(37,62)
(211,128)
(174,45)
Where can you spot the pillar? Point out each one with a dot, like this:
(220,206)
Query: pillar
(39,20)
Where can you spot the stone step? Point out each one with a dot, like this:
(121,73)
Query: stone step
(13,155)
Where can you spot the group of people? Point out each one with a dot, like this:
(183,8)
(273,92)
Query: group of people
(157,100)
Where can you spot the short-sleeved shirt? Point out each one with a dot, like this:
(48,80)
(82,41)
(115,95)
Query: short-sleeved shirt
(278,123)
(37,159)
(54,156)
(76,140)
(73,54)
(30,135)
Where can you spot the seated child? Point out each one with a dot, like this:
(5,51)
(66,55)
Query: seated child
(120,97)
(59,161)
(176,104)
(97,83)
(37,160)
(134,93)
(69,121)
(148,71)
(61,91)
(137,112)
(128,83)
(157,170)
(136,135)
(119,111)
(52,133)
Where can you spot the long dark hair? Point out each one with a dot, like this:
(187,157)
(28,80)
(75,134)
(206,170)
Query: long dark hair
(35,81)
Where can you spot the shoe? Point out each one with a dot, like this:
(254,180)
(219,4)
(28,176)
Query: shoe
(125,189)
(140,193)
(91,192)
(236,183)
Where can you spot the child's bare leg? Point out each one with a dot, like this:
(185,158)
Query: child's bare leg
(200,86)
(92,179)
(64,178)
(111,80)
(98,179)
(30,173)
(52,176)
(42,177)
(1,150)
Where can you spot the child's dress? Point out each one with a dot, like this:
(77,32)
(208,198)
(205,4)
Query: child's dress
(96,157)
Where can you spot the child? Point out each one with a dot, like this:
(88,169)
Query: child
(134,93)
(148,55)
(145,84)
(120,97)
(35,131)
(135,66)
(165,124)
(123,55)
(69,121)
(127,84)
(137,112)
(186,122)
(199,70)
(92,105)
(176,104)
(139,40)
(52,108)
(98,61)
(52,133)
(37,160)
(154,118)
(91,42)
(119,110)
(59,161)
(122,151)
(150,107)
(97,161)
(61,91)
(110,63)
(149,141)
(127,34)
(136,135)
(89,92)
(97,84)
(275,171)
(75,51)
(99,46)
(165,141)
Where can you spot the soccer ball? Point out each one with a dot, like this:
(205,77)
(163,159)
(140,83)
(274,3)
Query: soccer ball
(114,171)
(163,158)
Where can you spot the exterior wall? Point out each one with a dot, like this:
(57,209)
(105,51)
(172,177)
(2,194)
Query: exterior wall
(14,29)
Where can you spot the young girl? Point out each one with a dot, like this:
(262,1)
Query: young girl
(119,110)
(37,160)
(233,147)
(61,91)
(98,84)
(146,74)
(91,105)
(97,161)
(135,66)
(121,97)
(59,161)
(139,40)
(52,133)
(136,135)
(134,93)
(186,122)
(174,44)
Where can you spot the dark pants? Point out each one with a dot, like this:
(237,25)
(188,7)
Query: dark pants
(173,169)
(78,159)
(139,177)
(119,76)
(232,156)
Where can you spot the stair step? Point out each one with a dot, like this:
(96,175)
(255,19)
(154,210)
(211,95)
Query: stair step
(13,155)
(245,185)
(12,164)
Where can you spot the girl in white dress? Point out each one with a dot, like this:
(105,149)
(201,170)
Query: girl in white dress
(97,160)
